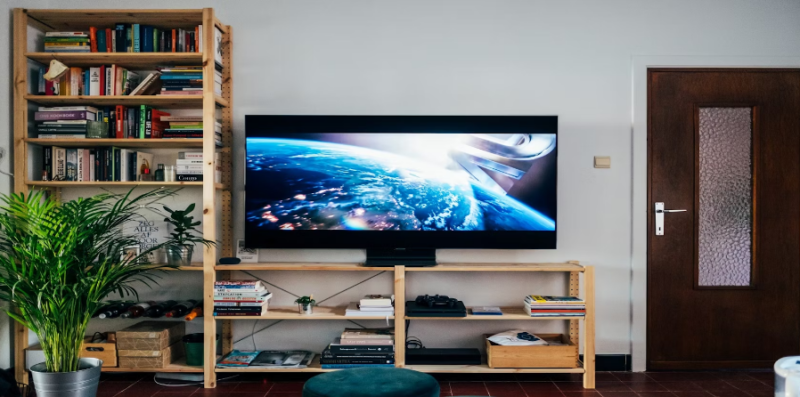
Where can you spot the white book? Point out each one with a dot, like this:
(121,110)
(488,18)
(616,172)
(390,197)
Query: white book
(65,122)
(66,34)
(189,172)
(61,136)
(189,162)
(94,81)
(91,166)
(352,311)
(376,309)
(109,81)
(91,109)
(377,300)
(124,165)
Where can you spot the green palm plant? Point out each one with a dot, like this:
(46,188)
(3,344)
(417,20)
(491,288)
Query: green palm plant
(58,261)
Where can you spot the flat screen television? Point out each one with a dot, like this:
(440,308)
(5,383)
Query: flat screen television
(401,182)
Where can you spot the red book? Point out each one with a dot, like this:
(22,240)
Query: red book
(102,79)
(120,133)
(93,38)
(174,45)
(197,39)
(109,41)
(158,126)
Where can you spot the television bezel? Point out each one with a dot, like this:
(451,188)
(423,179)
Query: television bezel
(270,126)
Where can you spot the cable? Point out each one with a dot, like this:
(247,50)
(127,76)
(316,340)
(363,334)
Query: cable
(363,327)
(412,342)
(262,329)
(253,334)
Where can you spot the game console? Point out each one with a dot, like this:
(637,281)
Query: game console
(435,306)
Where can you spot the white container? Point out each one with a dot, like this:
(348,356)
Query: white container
(787,377)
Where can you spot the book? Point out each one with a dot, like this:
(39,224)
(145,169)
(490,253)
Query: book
(366,360)
(91,109)
(239,304)
(376,300)
(244,299)
(241,294)
(146,87)
(556,307)
(239,285)
(93,38)
(182,118)
(59,164)
(238,358)
(553,300)
(366,342)
(189,178)
(94,81)
(193,92)
(65,115)
(72,165)
(61,136)
(66,34)
(368,333)
(338,348)
(353,311)
(487,311)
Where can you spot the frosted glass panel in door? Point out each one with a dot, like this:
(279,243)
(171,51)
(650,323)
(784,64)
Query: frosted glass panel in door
(726,197)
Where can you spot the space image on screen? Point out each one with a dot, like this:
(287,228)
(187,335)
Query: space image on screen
(399,182)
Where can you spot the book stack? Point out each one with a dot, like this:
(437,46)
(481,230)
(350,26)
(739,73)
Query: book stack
(240,298)
(181,80)
(69,122)
(189,127)
(372,305)
(554,306)
(107,164)
(189,167)
(66,42)
(97,80)
(368,347)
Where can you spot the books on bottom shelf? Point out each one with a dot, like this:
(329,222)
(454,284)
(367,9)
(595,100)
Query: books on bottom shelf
(375,348)
(274,359)
(241,298)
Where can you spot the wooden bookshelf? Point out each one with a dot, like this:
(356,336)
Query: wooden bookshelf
(216,196)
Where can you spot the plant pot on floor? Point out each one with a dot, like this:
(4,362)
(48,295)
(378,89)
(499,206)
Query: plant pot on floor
(81,383)
(179,255)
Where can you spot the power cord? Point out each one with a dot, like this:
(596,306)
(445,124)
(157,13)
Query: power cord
(412,342)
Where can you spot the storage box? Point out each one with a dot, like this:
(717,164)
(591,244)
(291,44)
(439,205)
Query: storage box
(150,358)
(150,335)
(561,356)
(106,351)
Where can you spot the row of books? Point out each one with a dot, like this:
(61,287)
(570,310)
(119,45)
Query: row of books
(189,167)
(97,80)
(371,305)
(186,80)
(241,298)
(267,359)
(360,347)
(127,38)
(554,306)
(108,164)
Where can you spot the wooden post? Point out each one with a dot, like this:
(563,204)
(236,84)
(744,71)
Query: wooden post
(588,333)
(574,288)
(20,158)
(399,316)
(209,201)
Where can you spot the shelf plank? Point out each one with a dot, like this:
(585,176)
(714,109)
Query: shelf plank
(500,267)
(290,313)
(127,143)
(177,366)
(162,101)
(115,184)
(130,60)
(483,368)
(75,20)
(314,366)
(304,267)
(509,314)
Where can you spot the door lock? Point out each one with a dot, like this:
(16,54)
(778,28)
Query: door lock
(660,218)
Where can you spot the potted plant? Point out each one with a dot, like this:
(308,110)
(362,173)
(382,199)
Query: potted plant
(58,261)
(183,239)
(305,304)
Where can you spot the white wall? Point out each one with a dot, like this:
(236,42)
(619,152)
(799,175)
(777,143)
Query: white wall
(569,58)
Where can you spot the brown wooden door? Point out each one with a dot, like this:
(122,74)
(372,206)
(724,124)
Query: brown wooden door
(724,278)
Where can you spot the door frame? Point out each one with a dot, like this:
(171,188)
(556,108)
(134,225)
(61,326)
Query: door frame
(639,172)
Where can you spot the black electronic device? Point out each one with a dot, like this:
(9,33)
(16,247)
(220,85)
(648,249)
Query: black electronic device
(229,261)
(436,301)
(435,306)
(443,357)
(401,187)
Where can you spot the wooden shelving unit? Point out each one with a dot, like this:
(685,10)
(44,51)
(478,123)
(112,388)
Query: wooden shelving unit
(214,195)
(573,269)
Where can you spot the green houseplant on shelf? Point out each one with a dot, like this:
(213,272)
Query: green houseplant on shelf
(58,261)
(183,237)
(305,304)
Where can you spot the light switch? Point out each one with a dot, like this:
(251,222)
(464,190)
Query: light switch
(602,162)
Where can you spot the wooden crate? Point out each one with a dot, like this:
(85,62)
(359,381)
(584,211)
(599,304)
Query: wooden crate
(563,356)
(104,351)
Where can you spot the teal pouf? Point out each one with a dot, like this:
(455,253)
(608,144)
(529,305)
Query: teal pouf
(372,382)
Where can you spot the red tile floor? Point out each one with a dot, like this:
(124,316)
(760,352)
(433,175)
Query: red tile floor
(609,384)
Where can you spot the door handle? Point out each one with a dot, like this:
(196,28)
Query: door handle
(660,217)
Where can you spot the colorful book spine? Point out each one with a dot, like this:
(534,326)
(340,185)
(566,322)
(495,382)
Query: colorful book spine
(66,115)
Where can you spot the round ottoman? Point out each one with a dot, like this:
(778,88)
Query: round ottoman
(372,382)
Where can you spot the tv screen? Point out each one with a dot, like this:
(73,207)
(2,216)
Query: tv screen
(400,182)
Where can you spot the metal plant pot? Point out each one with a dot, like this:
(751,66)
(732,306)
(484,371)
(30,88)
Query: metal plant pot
(81,383)
(179,255)
(305,309)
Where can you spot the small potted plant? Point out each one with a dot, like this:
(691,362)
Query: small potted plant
(183,238)
(305,304)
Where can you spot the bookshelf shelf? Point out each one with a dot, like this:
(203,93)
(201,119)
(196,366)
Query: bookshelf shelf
(213,200)
(483,368)
(131,60)
(162,101)
(290,313)
(509,314)
(126,143)
(336,267)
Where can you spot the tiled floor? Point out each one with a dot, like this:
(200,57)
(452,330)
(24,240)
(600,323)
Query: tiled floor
(609,384)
